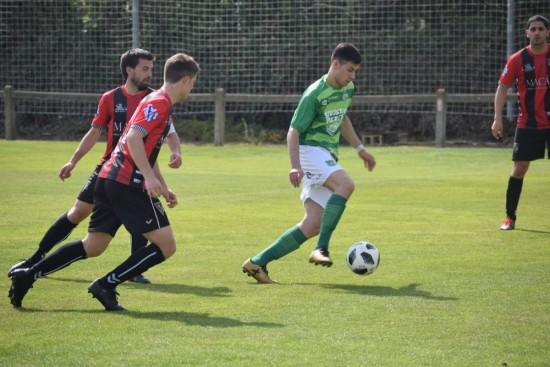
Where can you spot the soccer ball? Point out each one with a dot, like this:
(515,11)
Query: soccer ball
(363,258)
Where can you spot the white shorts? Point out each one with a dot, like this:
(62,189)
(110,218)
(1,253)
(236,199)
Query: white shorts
(318,164)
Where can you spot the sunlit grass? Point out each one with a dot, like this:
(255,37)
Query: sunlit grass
(451,290)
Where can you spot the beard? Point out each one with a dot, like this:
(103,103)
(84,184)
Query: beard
(141,85)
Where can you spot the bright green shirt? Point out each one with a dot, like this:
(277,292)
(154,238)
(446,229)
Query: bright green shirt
(320,113)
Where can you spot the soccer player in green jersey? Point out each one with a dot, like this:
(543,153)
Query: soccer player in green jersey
(313,141)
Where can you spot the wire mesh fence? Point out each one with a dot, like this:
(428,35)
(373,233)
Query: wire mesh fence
(260,47)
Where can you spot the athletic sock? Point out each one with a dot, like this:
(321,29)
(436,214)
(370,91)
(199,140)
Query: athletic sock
(288,242)
(136,264)
(512,196)
(58,232)
(61,258)
(137,242)
(334,209)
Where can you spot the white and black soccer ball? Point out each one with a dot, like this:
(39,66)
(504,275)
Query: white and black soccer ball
(363,258)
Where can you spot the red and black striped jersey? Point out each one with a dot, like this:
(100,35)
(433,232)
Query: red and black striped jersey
(532,74)
(113,111)
(151,117)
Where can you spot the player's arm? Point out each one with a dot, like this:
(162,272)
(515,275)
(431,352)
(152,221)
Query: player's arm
(293,142)
(351,136)
(158,174)
(173,142)
(85,145)
(508,78)
(301,120)
(170,198)
(500,100)
(153,185)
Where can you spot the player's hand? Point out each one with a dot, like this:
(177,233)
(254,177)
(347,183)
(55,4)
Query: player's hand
(368,159)
(175,160)
(496,129)
(65,171)
(171,199)
(295,176)
(154,188)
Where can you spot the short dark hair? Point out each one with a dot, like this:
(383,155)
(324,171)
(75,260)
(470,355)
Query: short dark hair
(346,52)
(131,58)
(537,18)
(179,66)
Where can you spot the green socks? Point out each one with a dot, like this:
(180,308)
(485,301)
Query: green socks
(294,237)
(284,245)
(333,211)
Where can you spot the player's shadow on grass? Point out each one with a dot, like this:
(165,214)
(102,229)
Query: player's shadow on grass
(164,288)
(532,230)
(188,318)
(197,319)
(182,289)
(409,291)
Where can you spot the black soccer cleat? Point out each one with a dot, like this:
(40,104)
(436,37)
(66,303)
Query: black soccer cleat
(107,296)
(20,265)
(20,284)
(140,279)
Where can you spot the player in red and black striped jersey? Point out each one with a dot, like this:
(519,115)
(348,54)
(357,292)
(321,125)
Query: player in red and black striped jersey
(114,110)
(127,192)
(155,108)
(529,69)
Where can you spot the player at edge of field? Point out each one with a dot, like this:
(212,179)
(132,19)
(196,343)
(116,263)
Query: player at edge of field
(529,68)
(114,110)
(126,193)
(313,141)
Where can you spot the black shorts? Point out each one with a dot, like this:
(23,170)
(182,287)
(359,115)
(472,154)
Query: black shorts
(87,192)
(117,204)
(530,145)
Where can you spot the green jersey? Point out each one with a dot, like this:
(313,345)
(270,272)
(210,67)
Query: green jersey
(320,113)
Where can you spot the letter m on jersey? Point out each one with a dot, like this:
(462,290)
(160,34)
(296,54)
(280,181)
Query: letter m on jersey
(150,113)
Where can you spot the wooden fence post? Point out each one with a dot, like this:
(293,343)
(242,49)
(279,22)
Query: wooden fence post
(441,118)
(9,113)
(219,117)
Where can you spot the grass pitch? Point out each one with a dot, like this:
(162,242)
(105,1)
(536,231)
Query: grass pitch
(451,289)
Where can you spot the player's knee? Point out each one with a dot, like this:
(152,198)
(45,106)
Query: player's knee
(169,253)
(351,187)
(94,249)
(345,188)
(314,231)
(520,169)
(79,212)
(74,217)
(167,250)
(310,229)
(96,243)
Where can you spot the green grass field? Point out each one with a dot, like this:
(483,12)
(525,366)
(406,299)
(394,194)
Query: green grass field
(451,289)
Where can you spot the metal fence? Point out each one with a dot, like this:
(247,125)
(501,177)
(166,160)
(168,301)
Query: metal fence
(262,47)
